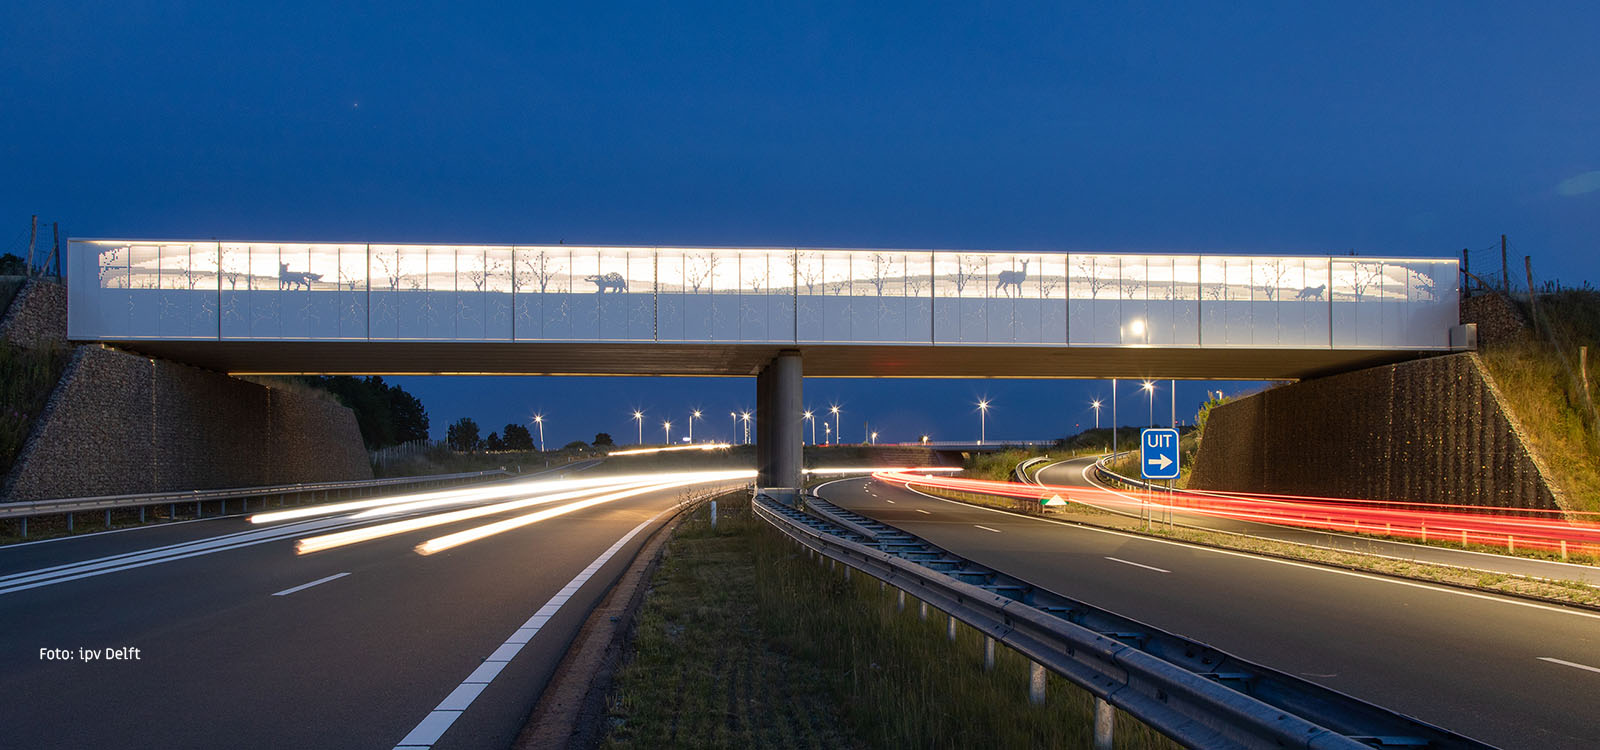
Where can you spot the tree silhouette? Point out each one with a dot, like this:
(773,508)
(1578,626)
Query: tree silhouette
(462,435)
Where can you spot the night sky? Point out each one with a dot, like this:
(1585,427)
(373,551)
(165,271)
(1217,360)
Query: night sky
(1382,128)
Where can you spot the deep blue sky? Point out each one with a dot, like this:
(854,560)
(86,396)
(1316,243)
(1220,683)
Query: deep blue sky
(1399,128)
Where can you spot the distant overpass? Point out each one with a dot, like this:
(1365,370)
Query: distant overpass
(371,308)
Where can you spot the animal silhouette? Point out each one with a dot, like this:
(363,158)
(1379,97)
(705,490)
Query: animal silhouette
(1311,292)
(1011,279)
(612,281)
(295,279)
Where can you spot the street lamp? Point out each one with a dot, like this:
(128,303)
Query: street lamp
(1095,404)
(983,414)
(924,439)
(1150,388)
(666,428)
(746,417)
(732,436)
(538,419)
(835,410)
(874,438)
(692,417)
(827,433)
(812,418)
(638,416)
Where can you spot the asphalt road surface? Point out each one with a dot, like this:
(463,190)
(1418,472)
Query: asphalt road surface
(1071,473)
(244,643)
(1509,672)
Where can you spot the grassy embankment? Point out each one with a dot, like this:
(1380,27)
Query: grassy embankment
(1541,383)
(27,376)
(743,642)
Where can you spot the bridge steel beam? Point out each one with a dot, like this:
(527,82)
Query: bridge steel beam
(778,410)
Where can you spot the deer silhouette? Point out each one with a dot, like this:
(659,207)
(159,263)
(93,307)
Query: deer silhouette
(1011,279)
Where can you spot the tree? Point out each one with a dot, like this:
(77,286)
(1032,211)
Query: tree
(462,436)
(386,414)
(602,438)
(517,438)
(494,443)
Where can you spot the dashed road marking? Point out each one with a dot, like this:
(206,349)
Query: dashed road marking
(1138,565)
(304,586)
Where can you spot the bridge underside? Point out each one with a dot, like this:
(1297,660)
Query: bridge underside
(854,360)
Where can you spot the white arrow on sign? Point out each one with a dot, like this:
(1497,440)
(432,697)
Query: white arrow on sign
(1161,463)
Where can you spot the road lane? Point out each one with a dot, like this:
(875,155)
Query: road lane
(355,662)
(1072,473)
(1467,661)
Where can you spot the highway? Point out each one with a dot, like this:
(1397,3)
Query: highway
(242,642)
(1074,473)
(1513,673)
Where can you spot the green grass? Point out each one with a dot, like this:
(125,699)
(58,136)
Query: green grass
(27,376)
(744,642)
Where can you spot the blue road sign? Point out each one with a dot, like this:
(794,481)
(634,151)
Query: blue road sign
(1158,453)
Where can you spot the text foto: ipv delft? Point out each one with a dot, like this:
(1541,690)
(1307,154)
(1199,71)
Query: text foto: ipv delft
(124,653)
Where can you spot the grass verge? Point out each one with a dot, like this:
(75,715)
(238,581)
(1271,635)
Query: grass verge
(742,641)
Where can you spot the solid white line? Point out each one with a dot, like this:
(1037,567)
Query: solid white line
(986,528)
(1564,662)
(887,500)
(1276,561)
(433,726)
(304,586)
(1138,565)
(919,510)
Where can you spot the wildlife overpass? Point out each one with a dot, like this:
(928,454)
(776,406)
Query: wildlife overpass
(370,308)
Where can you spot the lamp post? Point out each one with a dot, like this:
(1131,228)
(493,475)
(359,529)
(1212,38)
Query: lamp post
(874,438)
(745,417)
(734,436)
(812,418)
(538,419)
(924,439)
(638,416)
(1150,388)
(827,433)
(666,429)
(983,414)
(1113,416)
(692,417)
(1095,404)
(836,432)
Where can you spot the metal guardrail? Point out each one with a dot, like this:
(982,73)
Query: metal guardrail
(1197,695)
(108,503)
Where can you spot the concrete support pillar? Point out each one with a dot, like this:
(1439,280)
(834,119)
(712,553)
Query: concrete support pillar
(778,409)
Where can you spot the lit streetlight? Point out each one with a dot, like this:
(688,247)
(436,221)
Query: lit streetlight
(732,436)
(666,429)
(1150,388)
(538,419)
(827,433)
(692,417)
(746,418)
(837,432)
(638,416)
(983,424)
(1095,404)
(874,438)
(924,439)
(812,418)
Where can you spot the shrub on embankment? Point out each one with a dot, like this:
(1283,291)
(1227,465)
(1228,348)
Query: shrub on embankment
(27,376)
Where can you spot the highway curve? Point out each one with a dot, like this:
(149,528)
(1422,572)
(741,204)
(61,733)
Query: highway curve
(1513,673)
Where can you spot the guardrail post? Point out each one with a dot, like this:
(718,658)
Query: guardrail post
(988,653)
(847,574)
(714,514)
(24,527)
(69,523)
(922,612)
(1563,550)
(1104,721)
(900,601)
(950,630)
(197,510)
(1035,682)
(172,511)
(108,518)
(141,514)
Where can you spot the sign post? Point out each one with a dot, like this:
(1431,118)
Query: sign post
(1158,455)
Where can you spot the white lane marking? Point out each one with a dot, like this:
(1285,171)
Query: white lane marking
(1274,560)
(986,528)
(923,512)
(887,500)
(1138,565)
(433,726)
(304,586)
(1566,663)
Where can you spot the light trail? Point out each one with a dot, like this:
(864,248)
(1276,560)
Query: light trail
(440,544)
(1497,527)
(671,448)
(368,533)
(876,469)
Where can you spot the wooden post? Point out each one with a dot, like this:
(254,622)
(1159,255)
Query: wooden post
(1583,371)
(1505,270)
(33,233)
(1466,272)
(55,250)
(1533,302)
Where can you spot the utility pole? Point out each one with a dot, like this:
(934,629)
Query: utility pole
(33,233)
(1466,272)
(1533,302)
(55,251)
(1113,416)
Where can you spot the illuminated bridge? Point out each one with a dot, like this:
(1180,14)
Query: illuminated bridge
(359,308)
